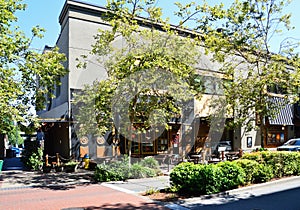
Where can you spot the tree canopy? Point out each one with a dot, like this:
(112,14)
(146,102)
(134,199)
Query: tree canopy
(151,75)
(237,35)
(240,36)
(21,67)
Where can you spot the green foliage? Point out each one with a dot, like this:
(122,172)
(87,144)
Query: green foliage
(255,172)
(251,168)
(258,167)
(144,51)
(31,149)
(139,171)
(122,170)
(20,66)
(253,156)
(151,191)
(71,163)
(36,160)
(150,162)
(265,173)
(14,136)
(277,164)
(196,179)
(105,173)
(232,175)
(239,37)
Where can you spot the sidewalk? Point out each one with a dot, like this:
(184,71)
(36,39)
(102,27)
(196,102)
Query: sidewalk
(32,190)
(78,190)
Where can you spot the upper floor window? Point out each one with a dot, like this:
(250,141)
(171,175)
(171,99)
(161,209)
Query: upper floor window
(277,89)
(209,84)
(73,92)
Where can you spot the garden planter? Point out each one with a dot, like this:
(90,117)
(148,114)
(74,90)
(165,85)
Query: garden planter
(59,168)
(47,169)
(70,168)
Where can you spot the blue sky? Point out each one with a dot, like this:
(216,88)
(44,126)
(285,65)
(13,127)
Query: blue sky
(46,12)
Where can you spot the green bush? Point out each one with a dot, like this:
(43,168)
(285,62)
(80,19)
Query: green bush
(139,171)
(264,173)
(104,173)
(279,163)
(196,179)
(181,174)
(122,170)
(114,171)
(256,156)
(257,167)
(36,160)
(251,168)
(232,175)
(150,162)
(211,181)
(31,156)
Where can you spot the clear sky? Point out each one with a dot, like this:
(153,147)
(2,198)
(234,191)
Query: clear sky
(46,12)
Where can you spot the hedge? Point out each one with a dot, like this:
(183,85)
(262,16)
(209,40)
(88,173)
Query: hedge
(281,163)
(257,167)
(196,179)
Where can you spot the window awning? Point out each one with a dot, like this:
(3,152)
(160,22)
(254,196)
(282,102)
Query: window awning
(58,113)
(284,115)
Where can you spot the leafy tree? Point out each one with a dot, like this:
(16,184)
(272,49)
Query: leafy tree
(239,36)
(151,75)
(14,136)
(21,66)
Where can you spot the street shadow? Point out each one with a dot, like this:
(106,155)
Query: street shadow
(52,180)
(123,206)
(286,199)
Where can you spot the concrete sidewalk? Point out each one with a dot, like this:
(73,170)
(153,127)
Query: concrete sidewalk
(19,182)
(138,186)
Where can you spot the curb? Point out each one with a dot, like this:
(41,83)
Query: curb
(244,192)
(263,185)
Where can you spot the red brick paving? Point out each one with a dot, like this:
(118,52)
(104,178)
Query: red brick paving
(80,197)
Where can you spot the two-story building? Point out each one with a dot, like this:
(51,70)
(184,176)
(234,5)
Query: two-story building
(79,22)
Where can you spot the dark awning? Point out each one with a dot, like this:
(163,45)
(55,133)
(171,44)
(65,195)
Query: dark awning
(284,115)
(56,114)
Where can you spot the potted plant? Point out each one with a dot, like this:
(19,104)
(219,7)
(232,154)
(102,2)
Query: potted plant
(71,166)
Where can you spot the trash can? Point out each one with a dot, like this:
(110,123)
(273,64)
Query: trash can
(86,160)
(1,164)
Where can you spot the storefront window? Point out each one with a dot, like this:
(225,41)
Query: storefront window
(148,141)
(162,142)
(275,138)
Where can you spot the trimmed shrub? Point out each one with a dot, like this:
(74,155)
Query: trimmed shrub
(251,169)
(256,156)
(280,163)
(181,174)
(257,167)
(196,179)
(232,175)
(265,173)
(211,181)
